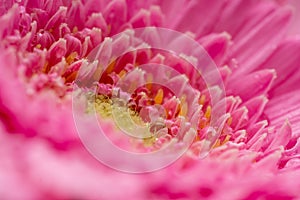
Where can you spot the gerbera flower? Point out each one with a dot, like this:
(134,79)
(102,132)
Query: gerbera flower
(52,51)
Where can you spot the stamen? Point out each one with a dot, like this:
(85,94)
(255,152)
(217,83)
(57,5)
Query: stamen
(159,97)
(149,81)
(111,67)
(38,46)
(122,73)
(75,29)
(71,58)
(184,106)
(202,99)
(207,112)
(229,121)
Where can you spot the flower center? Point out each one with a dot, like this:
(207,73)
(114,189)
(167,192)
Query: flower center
(150,113)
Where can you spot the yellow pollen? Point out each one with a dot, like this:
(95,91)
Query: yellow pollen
(202,99)
(207,112)
(70,59)
(184,109)
(184,106)
(46,66)
(220,143)
(110,67)
(229,121)
(202,123)
(38,46)
(101,104)
(217,144)
(159,97)
(122,73)
(75,29)
(124,118)
(227,138)
(71,77)
(108,28)
(148,142)
(149,80)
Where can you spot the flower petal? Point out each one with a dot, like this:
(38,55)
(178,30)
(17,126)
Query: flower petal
(256,45)
(256,83)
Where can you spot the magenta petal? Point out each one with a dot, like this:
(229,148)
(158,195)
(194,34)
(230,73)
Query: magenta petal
(156,16)
(64,29)
(115,14)
(57,50)
(97,20)
(96,36)
(56,19)
(86,46)
(9,21)
(45,39)
(73,45)
(6,5)
(25,23)
(77,14)
(141,19)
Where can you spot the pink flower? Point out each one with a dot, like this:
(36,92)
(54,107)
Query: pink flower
(45,47)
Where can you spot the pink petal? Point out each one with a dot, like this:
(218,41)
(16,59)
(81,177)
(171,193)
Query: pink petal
(97,20)
(9,21)
(240,17)
(240,118)
(115,14)
(285,60)
(256,83)
(5,6)
(256,107)
(73,45)
(282,137)
(57,51)
(285,107)
(256,129)
(77,14)
(56,19)
(252,49)
(216,45)
(209,11)
(294,27)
